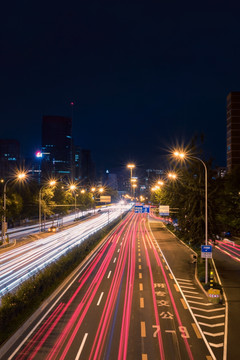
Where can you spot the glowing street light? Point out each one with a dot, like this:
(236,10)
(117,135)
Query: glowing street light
(101,190)
(182,156)
(93,189)
(172,176)
(131,167)
(20,176)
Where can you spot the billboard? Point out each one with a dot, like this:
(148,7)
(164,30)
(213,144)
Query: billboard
(105,199)
(164,210)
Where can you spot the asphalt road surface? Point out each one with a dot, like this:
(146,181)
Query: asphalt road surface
(124,302)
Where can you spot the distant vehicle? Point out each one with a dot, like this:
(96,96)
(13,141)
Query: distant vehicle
(99,210)
(52,229)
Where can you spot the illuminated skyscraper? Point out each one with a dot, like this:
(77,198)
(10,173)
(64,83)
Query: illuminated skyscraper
(57,158)
(233,130)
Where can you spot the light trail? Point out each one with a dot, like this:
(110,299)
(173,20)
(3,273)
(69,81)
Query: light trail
(19,264)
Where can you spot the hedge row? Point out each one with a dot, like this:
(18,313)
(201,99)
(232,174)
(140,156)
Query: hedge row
(17,306)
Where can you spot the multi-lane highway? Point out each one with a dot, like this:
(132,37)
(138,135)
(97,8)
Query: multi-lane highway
(124,302)
(22,262)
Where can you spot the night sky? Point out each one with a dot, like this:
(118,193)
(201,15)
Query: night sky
(142,74)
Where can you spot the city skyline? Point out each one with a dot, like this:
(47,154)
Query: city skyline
(141,76)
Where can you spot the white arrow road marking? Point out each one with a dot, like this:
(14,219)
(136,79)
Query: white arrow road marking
(211,325)
(211,334)
(216,345)
(209,317)
(207,310)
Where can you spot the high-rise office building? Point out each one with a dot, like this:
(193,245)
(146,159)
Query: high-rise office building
(233,130)
(57,158)
(9,157)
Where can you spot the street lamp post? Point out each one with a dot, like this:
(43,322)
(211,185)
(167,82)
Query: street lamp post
(131,167)
(20,176)
(182,156)
(51,183)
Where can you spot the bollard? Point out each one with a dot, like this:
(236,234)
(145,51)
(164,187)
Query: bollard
(214,295)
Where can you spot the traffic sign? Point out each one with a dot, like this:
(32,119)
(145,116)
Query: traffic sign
(206,251)
(164,210)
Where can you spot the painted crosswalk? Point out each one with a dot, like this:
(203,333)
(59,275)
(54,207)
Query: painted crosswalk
(210,317)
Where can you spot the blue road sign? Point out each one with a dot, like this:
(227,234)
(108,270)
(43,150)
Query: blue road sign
(206,251)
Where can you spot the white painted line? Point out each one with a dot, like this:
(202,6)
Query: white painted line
(114,260)
(207,310)
(211,325)
(81,347)
(216,345)
(187,287)
(191,292)
(109,274)
(100,298)
(211,334)
(199,303)
(185,298)
(118,250)
(194,297)
(183,280)
(210,317)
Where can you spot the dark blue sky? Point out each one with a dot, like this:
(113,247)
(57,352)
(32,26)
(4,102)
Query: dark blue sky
(142,74)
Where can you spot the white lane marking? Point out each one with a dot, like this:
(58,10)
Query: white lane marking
(199,303)
(211,325)
(216,345)
(207,310)
(194,297)
(183,280)
(81,347)
(109,274)
(211,334)
(210,317)
(114,260)
(118,250)
(187,287)
(100,298)
(190,292)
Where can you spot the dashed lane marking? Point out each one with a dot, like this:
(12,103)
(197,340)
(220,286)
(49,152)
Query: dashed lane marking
(141,287)
(195,328)
(140,275)
(141,303)
(170,275)
(114,260)
(184,304)
(139,260)
(81,346)
(100,298)
(143,329)
(208,357)
(176,287)
(144,357)
(109,274)
(139,267)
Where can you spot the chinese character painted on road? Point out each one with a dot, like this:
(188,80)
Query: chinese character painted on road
(166,315)
(162,303)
